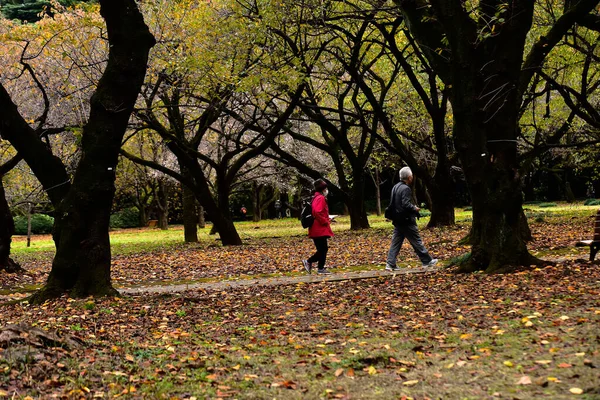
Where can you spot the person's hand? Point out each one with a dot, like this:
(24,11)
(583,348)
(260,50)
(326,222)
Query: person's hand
(417,209)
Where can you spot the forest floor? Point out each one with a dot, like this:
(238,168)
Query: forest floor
(435,334)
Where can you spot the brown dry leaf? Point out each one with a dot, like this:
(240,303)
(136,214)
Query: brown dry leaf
(525,380)
(410,383)
(576,390)
(339,371)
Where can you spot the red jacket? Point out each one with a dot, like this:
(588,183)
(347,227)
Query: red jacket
(321,227)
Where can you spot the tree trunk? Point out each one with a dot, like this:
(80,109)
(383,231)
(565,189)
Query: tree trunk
(442,205)
(222,222)
(190,218)
(256,202)
(356,205)
(442,194)
(143,214)
(221,219)
(378,191)
(7,229)
(162,206)
(201,219)
(81,266)
(499,232)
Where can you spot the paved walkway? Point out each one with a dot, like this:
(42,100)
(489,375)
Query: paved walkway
(287,280)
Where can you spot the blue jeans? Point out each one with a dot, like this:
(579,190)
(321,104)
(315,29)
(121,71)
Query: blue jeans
(411,233)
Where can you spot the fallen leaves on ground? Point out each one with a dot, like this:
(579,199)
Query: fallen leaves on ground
(421,336)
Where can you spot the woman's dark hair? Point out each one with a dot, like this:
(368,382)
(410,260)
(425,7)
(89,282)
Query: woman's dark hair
(320,185)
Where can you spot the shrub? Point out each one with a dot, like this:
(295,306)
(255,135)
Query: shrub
(40,224)
(127,218)
(592,202)
(546,205)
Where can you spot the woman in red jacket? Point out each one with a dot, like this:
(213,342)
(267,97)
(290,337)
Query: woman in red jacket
(320,230)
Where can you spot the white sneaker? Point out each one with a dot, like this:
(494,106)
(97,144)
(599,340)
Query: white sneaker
(430,263)
(389,267)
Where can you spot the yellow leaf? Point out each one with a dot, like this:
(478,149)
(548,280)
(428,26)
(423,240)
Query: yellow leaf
(508,364)
(450,365)
(236,367)
(543,362)
(410,383)
(372,370)
(466,336)
(129,357)
(576,390)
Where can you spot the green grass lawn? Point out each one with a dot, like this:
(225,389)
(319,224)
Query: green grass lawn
(131,241)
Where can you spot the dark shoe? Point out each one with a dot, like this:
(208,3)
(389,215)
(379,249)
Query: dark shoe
(323,271)
(307,266)
(389,267)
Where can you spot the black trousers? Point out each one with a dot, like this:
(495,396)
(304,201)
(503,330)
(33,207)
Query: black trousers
(321,254)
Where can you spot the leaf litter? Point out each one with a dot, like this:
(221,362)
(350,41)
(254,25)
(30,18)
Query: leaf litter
(427,336)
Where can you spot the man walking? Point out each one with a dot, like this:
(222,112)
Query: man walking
(403,215)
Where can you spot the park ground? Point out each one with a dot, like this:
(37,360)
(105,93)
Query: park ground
(434,335)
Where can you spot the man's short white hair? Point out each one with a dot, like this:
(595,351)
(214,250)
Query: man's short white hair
(405,173)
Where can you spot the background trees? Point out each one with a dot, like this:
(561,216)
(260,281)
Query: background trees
(236,91)
(479,50)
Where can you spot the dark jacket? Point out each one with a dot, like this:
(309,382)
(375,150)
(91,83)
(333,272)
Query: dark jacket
(405,209)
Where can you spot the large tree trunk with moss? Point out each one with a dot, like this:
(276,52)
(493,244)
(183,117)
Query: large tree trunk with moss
(485,135)
(7,229)
(81,266)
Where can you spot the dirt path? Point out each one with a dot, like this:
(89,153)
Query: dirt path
(275,281)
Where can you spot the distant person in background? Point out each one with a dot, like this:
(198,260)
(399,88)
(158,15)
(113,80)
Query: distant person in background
(277,209)
(403,214)
(320,230)
(591,194)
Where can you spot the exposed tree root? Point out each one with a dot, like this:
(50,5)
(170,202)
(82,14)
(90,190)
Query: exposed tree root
(472,264)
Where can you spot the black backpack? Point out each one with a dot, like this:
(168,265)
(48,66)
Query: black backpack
(306,217)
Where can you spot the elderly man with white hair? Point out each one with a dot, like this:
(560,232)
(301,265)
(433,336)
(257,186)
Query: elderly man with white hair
(403,214)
